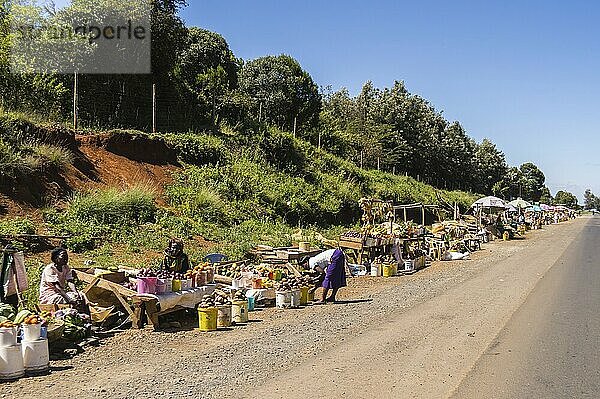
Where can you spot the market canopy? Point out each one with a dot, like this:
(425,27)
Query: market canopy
(511,208)
(546,207)
(489,202)
(535,208)
(520,203)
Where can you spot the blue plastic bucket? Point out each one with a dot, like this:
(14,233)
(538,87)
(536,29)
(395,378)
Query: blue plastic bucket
(250,304)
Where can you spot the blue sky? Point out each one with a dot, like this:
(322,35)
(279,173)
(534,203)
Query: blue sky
(520,73)
(523,74)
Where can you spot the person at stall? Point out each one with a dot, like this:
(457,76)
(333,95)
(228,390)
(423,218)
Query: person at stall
(175,259)
(56,284)
(317,266)
(335,276)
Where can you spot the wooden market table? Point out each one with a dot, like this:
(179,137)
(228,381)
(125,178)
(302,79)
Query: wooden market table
(139,307)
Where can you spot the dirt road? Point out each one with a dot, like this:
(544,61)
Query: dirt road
(411,336)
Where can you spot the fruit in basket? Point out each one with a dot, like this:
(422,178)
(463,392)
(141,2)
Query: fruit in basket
(32,319)
(21,316)
(7,324)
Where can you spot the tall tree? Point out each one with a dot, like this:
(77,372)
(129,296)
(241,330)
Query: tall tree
(490,166)
(281,91)
(566,198)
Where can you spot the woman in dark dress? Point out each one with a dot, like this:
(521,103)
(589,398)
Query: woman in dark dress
(335,276)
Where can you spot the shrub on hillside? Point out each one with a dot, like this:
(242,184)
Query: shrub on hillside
(199,149)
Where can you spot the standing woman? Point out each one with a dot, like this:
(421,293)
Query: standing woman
(335,276)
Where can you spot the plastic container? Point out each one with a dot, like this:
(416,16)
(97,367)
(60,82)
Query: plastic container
(31,332)
(161,286)
(146,285)
(210,275)
(239,311)
(250,303)
(388,270)
(375,272)
(304,296)
(36,358)
(295,298)
(176,285)
(277,275)
(201,278)
(207,319)
(11,362)
(311,296)
(283,299)
(186,284)
(8,336)
(224,316)
(168,285)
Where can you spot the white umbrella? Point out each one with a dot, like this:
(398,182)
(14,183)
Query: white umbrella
(520,203)
(489,202)
(511,208)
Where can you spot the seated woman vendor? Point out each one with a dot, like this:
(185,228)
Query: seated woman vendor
(175,259)
(56,285)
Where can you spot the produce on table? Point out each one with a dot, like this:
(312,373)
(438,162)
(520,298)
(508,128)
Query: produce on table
(146,273)
(233,270)
(7,324)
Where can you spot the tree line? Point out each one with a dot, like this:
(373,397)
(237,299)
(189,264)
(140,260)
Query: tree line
(201,85)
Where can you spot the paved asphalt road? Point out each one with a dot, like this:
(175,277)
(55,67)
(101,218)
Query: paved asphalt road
(550,348)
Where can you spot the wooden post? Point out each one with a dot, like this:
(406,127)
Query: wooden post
(405,218)
(76,102)
(153,107)
(423,215)
(259,111)
(378,163)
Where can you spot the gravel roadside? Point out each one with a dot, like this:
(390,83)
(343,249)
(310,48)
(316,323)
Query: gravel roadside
(186,364)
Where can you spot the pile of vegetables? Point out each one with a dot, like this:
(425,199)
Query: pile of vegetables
(217,298)
(233,270)
(7,312)
(239,295)
(77,324)
(284,285)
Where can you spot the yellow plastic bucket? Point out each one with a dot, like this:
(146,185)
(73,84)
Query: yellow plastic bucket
(176,285)
(207,319)
(239,311)
(388,270)
(303,295)
(506,236)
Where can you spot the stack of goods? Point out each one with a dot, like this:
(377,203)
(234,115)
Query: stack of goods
(283,286)
(300,282)
(146,281)
(221,301)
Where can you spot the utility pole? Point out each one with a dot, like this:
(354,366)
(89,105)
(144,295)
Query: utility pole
(75,102)
(361,159)
(377,163)
(319,146)
(259,111)
(295,123)
(153,107)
